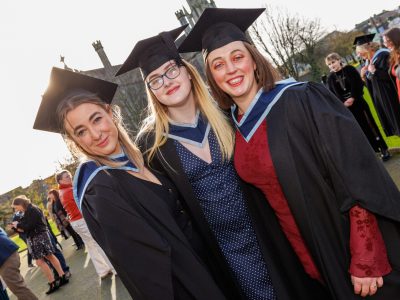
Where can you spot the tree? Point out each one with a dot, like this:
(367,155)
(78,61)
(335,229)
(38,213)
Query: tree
(289,40)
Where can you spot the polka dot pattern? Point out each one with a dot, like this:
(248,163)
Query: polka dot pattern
(216,186)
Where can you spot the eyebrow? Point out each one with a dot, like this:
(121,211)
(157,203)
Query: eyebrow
(171,63)
(92,116)
(230,53)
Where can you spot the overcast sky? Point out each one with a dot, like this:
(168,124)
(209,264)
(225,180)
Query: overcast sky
(34,33)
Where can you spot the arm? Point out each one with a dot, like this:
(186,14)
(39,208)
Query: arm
(31,219)
(138,253)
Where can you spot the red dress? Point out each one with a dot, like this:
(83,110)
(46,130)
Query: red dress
(254,165)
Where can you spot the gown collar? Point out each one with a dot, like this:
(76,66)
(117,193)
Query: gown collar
(195,134)
(87,170)
(259,108)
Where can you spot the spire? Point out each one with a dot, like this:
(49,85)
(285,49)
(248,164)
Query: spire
(103,57)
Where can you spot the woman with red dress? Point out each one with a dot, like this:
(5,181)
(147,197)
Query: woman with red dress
(298,144)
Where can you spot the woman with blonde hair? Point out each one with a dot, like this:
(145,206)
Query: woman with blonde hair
(345,82)
(190,139)
(381,84)
(39,241)
(304,150)
(133,214)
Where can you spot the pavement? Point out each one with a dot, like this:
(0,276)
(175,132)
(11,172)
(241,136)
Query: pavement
(86,285)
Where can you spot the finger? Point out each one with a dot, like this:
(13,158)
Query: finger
(379,282)
(357,287)
(365,290)
(372,289)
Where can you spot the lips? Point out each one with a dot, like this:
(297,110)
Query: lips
(103,143)
(234,82)
(173,90)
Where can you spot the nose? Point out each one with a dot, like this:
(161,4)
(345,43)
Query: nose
(167,81)
(96,134)
(230,67)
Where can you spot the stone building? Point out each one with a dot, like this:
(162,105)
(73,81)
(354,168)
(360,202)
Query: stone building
(131,93)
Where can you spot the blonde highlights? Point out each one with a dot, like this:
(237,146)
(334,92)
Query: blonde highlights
(157,119)
(82,97)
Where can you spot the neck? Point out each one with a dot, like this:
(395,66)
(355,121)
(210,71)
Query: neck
(185,113)
(243,102)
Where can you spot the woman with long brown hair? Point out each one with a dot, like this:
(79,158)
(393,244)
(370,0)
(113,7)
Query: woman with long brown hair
(304,150)
(391,39)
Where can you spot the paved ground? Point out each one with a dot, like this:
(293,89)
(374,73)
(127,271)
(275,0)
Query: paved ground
(85,284)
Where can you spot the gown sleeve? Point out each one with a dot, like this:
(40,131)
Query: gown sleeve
(367,248)
(138,253)
(358,177)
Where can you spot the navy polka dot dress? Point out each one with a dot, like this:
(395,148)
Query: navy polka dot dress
(216,186)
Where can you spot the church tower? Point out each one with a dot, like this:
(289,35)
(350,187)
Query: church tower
(196,9)
(104,59)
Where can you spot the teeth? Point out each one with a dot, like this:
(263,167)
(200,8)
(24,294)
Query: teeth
(235,81)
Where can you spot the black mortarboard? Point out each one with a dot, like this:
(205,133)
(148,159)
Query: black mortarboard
(363,39)
(64,83)
(218,27)
(151,53)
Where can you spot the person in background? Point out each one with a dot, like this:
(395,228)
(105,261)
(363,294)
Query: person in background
(61,217)
(345,82)
(100,261)
(9,268)
(380,82)
(3,290)
(38,237)
(299,144)
(391,40)
(22,235)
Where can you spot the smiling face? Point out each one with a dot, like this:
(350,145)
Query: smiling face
(92,127)
(388,43)
(232,69)
(334,65)
(173,92)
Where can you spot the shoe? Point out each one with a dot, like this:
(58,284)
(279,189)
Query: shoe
(80,247)
(385,155)
(53,287)
(68,274)
(63,280)
(31,266)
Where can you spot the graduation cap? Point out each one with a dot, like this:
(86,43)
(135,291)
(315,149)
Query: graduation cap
(151,53)
(64,83)
(218,27)
(363,39)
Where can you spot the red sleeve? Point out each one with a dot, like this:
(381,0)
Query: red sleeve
(367,248)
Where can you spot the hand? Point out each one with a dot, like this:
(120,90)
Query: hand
(349,102)
(14,224)
(371,68)
(367,285)
(363,71)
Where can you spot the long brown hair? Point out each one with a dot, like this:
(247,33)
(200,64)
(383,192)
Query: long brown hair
(393,35)
(265,75)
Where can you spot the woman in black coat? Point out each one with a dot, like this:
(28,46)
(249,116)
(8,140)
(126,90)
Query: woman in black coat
(133,214)
(345,82)
(34,225)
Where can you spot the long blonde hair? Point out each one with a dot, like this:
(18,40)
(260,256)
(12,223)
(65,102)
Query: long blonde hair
(81,97)
(157,119)
(369,48)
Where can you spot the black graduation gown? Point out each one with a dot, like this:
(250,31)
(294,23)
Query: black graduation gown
(382,88)
(354,87)
(325,167)
(136,230)
(288,276)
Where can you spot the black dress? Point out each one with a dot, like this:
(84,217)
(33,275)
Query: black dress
(347,83)
(140,226)
(382,88)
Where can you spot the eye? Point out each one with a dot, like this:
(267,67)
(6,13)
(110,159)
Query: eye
(80,133)
(218,65)
(97,119)
(237,58)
